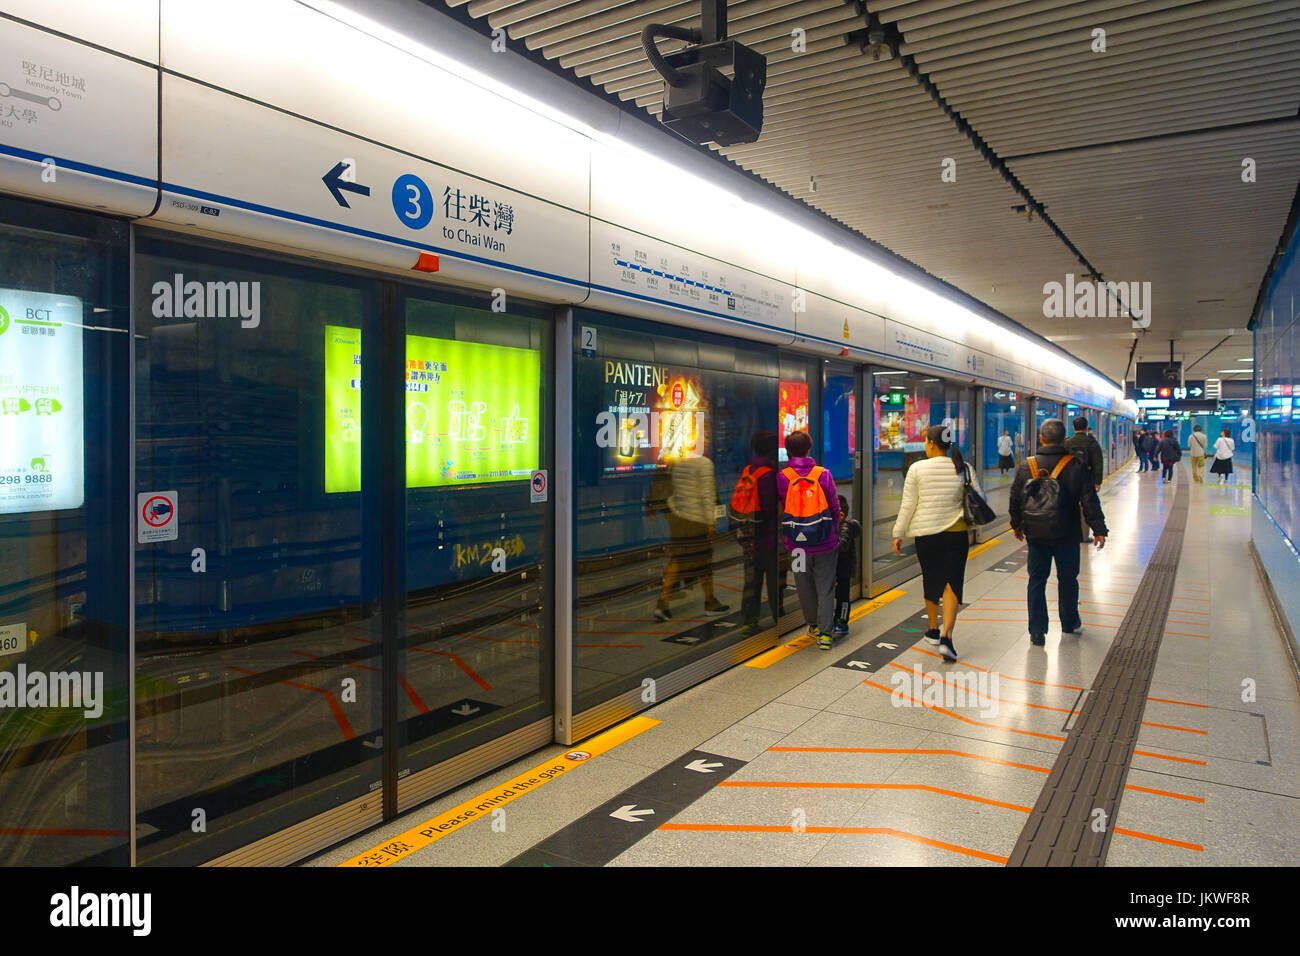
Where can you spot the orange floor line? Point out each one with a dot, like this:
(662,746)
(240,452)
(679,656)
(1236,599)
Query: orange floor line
(401,679)
(1159,839)
(469,671)
(967,720)
(1050,603)
(1023,680)
(611,645)
(646,620)
(340,718)
(1204,637)
(1181,703)
(877,786)
(1164,793)
(1186,730)
(459,663)
(869,831)
(963,753)
(1000,700)
(1148,753)
(1021,621)
(909,750)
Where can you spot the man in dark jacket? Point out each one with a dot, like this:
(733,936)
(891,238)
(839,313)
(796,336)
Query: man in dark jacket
(1149,446)
(1169,452)
(1077,492)
(1087,449)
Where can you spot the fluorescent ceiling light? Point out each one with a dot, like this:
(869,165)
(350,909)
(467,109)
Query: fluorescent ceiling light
(890,373)
(1236,371)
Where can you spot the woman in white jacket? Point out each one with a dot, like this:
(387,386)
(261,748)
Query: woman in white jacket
(1224,446)
(932,512)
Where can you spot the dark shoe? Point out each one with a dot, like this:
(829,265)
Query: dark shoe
(663,614)
(932,635)
(1038,640)
(1077,629)
(716,607)
(946,649)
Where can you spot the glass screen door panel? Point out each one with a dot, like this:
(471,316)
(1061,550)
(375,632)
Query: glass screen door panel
(477,655)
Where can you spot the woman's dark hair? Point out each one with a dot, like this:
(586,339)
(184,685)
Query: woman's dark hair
(1169,433)
(764,444)
(935,434)
(1227,433)
(798,444)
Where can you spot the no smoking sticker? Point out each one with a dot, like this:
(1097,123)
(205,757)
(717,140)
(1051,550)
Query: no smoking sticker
(538,487)
(155,516)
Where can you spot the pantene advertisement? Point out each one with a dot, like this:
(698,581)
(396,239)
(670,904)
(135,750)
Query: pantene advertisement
(653,416)
(42,429)
(471,411)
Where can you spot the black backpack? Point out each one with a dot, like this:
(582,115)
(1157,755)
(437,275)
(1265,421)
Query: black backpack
(1044,511)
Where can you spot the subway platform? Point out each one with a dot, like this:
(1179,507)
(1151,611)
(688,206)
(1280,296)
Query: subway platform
(1166,733)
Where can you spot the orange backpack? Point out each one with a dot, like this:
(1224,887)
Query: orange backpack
(745,507)
(806,515)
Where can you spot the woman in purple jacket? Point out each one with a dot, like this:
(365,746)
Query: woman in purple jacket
(813,563)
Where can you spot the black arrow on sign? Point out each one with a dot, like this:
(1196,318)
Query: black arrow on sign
(334,181)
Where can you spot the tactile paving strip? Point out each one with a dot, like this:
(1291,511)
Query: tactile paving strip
(1072,821)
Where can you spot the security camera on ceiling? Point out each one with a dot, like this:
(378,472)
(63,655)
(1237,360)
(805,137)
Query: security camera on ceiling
(701,103)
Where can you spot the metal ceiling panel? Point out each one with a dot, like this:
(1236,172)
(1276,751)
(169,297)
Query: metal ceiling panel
(1136,152)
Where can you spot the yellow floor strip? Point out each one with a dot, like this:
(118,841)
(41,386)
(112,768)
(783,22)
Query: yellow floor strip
(984,546)
(782,651)
(876,603)
(482,806)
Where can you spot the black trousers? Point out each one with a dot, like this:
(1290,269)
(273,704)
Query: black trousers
(760,566)
(843,583)
(1065,552)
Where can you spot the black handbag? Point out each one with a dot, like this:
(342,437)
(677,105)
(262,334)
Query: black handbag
(975,510)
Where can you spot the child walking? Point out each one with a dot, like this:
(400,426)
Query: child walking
(846,565)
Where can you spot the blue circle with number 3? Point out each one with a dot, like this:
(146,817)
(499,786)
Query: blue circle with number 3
(412,201)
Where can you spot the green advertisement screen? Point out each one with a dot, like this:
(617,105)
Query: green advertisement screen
(471,411)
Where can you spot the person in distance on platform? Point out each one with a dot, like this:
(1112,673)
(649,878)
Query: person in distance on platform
(810,525)
(687,494)
(1196,446)
(1170,452)
(1006,461)
(753,514)
(1083,446)
(1224,446)
(932,512)
(1051,496)
(1150,445)
(845,566)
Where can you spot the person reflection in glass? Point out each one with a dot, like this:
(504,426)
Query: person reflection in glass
(688,495)
(753,516)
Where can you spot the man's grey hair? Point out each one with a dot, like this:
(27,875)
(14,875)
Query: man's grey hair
(1051,432)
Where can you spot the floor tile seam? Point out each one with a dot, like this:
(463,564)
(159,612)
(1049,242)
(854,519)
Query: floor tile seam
(1216,783)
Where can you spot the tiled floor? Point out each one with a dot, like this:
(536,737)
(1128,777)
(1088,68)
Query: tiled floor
(842,771)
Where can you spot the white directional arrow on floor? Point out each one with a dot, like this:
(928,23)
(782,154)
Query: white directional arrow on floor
(862,665)
(892,647)
(465,709)
(630,813)
(702,766)
(689,640)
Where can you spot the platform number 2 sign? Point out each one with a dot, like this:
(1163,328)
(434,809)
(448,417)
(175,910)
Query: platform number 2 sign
(588,340)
